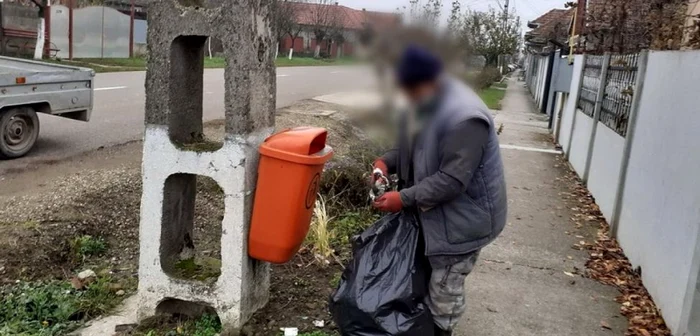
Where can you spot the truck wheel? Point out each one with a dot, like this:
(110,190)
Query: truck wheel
(19,129)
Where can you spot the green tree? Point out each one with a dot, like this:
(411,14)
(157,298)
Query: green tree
(490,34)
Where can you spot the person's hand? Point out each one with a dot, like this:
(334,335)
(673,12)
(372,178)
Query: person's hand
(377,167)
(389,202)
(380,165)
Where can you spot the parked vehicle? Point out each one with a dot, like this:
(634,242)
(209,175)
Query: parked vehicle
(29,87)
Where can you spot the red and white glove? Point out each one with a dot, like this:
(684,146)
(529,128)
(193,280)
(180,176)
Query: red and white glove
(389,202)
(379,166)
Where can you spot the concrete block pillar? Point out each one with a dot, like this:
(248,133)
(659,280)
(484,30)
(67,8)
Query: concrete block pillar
(177,33)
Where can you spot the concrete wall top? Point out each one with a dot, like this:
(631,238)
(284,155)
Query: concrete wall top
(660,215)
(174,47)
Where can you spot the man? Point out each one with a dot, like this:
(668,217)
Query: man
(450,171)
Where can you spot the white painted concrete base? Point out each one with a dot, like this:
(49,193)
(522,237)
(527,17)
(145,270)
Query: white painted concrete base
(104,326)
(243,285)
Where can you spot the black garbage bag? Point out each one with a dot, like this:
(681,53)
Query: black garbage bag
(381,291)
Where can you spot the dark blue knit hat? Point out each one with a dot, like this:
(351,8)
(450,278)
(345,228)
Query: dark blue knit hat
(418,65)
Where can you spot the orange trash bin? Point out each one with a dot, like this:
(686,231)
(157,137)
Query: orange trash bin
(289,174)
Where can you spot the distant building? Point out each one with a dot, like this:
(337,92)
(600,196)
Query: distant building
(550,31)
(343,25)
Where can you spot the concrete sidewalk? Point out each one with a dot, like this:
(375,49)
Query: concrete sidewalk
(520,286)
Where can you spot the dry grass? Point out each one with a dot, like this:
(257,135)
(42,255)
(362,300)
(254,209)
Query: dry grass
(321,235)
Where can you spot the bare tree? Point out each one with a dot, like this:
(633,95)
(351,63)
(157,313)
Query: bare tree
(424,13)
(39,46)
(339,40)
(326,21)
(287,21)
(454,21)
(282,19)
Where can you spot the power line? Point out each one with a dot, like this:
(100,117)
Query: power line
(499,4)
(534,10)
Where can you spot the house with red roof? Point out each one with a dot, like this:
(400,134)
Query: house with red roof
(340,28)
(550,31)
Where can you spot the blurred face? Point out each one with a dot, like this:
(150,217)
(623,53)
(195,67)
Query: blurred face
(421,94)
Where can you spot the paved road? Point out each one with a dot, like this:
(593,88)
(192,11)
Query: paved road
(119,108)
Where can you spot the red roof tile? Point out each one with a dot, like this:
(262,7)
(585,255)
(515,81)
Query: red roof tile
(549,16)
(348,18)
(553,20)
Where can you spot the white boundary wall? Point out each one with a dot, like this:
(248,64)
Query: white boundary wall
(660,216)
(567,117)
(659,224)
(603,178)
(580,141)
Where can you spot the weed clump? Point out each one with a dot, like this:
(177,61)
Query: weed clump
(53,307)
(205,325)
(88,246)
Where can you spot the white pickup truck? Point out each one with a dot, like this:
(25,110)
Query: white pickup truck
(28,87)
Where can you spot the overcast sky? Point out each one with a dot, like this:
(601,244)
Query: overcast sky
(526,9)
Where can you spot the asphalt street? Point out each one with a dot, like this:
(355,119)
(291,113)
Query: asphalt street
(118,115)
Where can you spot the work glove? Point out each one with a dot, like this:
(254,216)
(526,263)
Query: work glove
(379,165)
(389,202)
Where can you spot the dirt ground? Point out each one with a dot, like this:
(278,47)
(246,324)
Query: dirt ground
(43,209)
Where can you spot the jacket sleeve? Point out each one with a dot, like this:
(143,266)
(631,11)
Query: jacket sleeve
(462,149)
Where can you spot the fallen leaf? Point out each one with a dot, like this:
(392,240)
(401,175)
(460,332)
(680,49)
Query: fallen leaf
(76,283)
(608,265)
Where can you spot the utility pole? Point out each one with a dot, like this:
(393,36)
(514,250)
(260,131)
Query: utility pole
(501,58)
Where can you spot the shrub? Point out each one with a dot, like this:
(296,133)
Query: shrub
(484,79)
(345,183)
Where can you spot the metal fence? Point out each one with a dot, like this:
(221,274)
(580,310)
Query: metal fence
(592,72)
(619,91)
(609,99)
(97,32)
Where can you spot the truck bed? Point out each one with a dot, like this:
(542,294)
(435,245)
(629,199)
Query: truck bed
(12,67)
(48,88)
